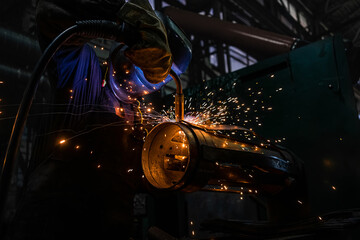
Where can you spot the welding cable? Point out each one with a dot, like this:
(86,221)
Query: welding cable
(88,29)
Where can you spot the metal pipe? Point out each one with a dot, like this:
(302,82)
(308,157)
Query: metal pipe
(181,156)
(250,39)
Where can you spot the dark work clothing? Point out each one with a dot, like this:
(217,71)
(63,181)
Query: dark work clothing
(151,52)
(83,187)
(85,192)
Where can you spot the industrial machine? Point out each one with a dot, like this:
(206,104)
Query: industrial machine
(182,156)
(302,100)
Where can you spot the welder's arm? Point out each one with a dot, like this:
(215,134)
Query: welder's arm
(149,50)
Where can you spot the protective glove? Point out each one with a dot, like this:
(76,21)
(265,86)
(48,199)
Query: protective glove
(144,32)
(150,51)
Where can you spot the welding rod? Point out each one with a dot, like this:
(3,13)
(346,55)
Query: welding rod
(179,97)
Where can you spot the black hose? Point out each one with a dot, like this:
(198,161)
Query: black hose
(88,29)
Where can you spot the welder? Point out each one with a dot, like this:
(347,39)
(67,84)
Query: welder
(85,167)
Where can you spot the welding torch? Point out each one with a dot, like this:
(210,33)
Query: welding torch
(179,97)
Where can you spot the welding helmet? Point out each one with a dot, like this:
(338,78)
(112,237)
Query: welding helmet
(128,82)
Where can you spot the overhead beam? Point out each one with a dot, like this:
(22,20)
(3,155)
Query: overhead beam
(259,12)
(252,40)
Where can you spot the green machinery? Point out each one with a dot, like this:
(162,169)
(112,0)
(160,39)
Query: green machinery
(302,100)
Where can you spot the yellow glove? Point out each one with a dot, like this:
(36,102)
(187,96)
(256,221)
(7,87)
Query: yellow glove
(151,52)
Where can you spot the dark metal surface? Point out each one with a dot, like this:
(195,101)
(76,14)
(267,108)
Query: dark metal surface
(249,159)
(334,226)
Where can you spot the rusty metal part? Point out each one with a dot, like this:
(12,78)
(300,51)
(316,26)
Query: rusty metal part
(250,39)
(181,156)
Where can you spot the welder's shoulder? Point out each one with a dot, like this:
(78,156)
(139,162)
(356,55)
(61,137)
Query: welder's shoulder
(54,16)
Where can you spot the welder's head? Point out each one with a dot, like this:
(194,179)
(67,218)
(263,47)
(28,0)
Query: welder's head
(127,81)
(179,43)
